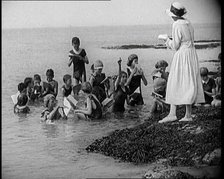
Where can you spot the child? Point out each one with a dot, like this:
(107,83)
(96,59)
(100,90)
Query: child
(121,91)
(67,87)
(161,66)
(28,81)
(37,88)
(22,99)
(93,108)
(96,81)
(52,111)
(135,75)
(51,86)
(209,86)
(159,85)
(78,57)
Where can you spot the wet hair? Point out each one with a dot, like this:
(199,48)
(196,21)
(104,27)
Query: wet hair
(66,77)
(86,87)
(22,100)
(124,73)
(37,77)
(203,71)
(161,63)
(27,81)
(21,87)
(131,59)
(50,72)
(75,40)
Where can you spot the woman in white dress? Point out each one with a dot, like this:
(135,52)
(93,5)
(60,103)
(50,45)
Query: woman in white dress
(184,85)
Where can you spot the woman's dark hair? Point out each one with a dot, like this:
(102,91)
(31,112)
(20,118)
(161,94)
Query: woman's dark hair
(50,72)
(75,40)
(27,81)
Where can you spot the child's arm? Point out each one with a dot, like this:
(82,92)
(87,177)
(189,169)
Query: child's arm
(52,113)
(70,62)
(88,110)
(92,78)
(86,60)
(119,74)
(143,77)
(56,88)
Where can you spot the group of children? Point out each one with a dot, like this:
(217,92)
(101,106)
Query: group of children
(101,91)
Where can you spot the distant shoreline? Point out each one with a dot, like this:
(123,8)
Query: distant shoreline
(199,44)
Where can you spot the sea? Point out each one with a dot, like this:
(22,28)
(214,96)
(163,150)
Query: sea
(31,149)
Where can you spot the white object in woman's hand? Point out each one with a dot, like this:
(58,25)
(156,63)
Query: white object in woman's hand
(163,37)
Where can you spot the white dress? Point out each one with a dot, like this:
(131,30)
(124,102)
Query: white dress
(184,84)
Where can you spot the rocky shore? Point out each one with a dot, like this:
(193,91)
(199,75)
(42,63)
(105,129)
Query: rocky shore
(200,44)
(179,144)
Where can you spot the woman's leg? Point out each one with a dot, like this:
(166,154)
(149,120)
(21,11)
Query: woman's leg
(173,109)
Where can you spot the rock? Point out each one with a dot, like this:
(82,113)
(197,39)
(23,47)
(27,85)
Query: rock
(213,158)
(167,174)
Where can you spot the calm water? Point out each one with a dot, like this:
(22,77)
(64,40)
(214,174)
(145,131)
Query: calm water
(31,149)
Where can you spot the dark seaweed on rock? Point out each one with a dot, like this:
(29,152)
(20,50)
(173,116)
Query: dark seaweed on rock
(177,141)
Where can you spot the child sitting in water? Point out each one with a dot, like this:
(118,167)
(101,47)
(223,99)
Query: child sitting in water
(96,81)
(135,75)
(159,93)
(67,87)
(52,111)
(78,57)
(93,108)
(209,86)
(22,99)
(37,88)
(121,91)
(51,86)
(28,81)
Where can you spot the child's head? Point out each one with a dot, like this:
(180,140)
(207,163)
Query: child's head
(22,99)
(124,77)
(28,82)
(37,79)
(22,88)
(50,102)
(67,79)
(86,87)
(50,75)
(132,60)
(204,73)
(162,64)
(98,66)
(75,43)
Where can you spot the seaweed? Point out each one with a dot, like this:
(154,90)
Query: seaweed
(181,143)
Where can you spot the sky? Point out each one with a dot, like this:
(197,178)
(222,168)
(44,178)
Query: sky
(38,14)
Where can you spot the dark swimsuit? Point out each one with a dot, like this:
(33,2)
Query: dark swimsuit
(98,87)
(67,92)
(78,65)
(96,113)
(119,99)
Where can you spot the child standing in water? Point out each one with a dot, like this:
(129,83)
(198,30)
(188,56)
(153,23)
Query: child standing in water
(78,57)
(135,75)
(121,91)
(51,87)
(96,81)
(93,108)
(22,99)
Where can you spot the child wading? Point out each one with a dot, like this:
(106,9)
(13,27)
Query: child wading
(22,99)
(135,75)
(93,108)
(78,57)
(121,91)
(96,81)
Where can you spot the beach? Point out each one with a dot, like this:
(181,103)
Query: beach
(31,149)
